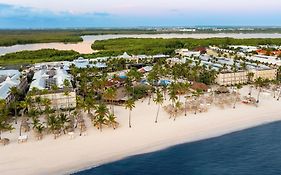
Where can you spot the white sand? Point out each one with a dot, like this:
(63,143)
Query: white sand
(63,155)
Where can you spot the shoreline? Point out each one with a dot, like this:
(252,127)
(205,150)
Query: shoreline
(163,145)
(64,156)
(160,147)
(84,46)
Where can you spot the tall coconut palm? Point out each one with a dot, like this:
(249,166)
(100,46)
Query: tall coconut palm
(110,94)
(130,104)
(177,108)
(24,105)
(55,88)
(63,121)
(278,98)
(250,76)
(159,101)
(172,93)
(4,124)
(259,84)
(46,103)
(89,102)
(196,95)
(54,125)
(111,121)
(14,91)
(100,116)
(238,87)
(39,128)
(38,101)
(66,86)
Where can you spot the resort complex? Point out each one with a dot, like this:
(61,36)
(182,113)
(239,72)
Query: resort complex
(127,92)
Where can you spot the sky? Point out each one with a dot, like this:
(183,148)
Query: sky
(138,13)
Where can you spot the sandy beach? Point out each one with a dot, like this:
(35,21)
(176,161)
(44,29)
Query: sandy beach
(65,155)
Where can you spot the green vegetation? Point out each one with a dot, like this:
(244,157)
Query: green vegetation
(30,57)
(167,46)
(12,37)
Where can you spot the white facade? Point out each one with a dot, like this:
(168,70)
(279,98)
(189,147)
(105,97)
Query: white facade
(11,78)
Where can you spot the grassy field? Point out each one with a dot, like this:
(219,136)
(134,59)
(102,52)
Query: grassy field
(152,46)
(31,57)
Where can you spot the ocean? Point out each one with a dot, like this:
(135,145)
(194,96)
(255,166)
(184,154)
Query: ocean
(255,151)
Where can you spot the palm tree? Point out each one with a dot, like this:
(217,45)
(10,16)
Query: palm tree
(3,105)
(110,94)
(172,93)
(250,76)
(63,120)
(24,105)
(66,85)
(55,89)
(15,94)
(159,101)
(238,87)
(54,125)
(178,106)
(197,94)
(100,116)
(38,101)
(111,121)
(130,104)
(4,125)
(39,128)
(259,84)
(278,98)
(89,102)
(46,103)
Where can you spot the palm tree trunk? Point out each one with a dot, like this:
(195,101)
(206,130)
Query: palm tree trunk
(234,105)
(112,107)
(130,119)
(185,108)
(80,134)
(258,97)
(279,95)
(20,129)
(250,92)
(156,119)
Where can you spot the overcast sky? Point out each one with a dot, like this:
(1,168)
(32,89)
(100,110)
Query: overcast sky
(133,13)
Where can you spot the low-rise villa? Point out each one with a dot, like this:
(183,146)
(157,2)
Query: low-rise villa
(51,82)
(9,79)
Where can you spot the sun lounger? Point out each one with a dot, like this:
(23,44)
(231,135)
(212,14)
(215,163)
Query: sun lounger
(71,135)
(22,138)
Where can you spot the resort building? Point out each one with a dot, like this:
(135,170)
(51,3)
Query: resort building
(227,76)
(242,77)
(245,49)
(9,79)
(188,53)
(50,82)
(266,59)
(80,63)
(232,78)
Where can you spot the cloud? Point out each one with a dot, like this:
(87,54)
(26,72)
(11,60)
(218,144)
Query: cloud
(25,17)
(132,14)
